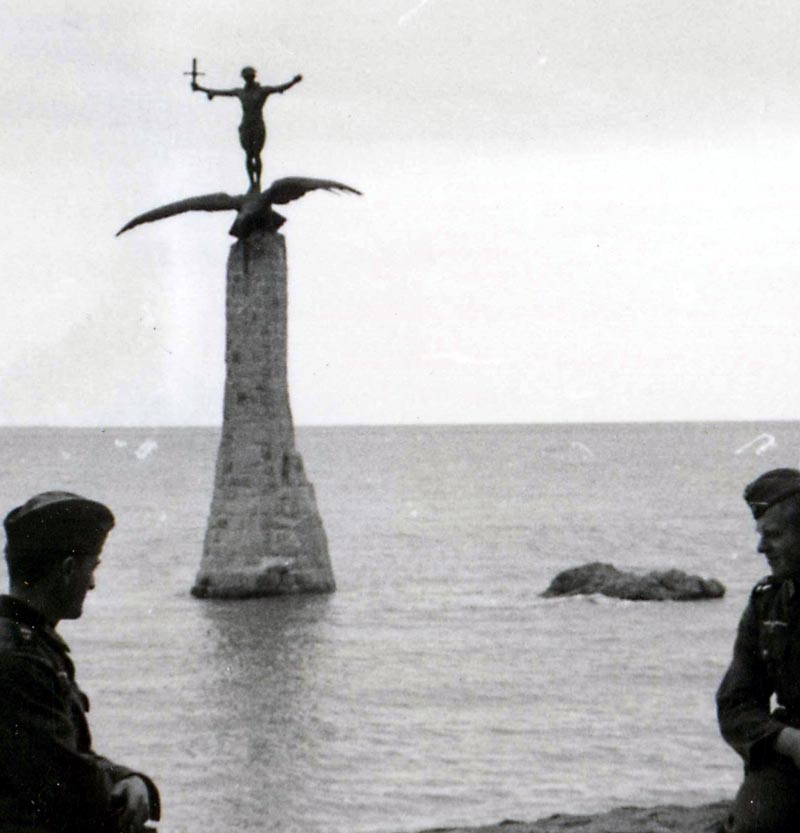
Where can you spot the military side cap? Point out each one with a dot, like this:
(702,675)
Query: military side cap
(58,521)
(770,488)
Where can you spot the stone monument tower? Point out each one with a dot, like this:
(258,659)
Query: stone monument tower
(264,533)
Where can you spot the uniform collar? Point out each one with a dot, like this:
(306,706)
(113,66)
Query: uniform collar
(23,614)
(788,590)
(790,583)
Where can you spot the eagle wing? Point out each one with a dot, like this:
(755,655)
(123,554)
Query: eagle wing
(293,187)
(206,202)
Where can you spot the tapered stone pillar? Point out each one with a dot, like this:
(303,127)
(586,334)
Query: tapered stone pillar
(264,534)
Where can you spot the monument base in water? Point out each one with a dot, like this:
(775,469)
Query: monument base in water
(264,534)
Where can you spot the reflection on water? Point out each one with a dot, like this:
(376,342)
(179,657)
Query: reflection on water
(262,703)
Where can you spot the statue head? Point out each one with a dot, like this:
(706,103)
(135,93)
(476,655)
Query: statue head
(249,74)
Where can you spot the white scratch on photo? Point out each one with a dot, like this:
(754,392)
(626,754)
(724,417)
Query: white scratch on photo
(411,12)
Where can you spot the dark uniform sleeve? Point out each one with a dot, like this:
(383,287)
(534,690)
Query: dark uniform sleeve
(743,698)
(61,785)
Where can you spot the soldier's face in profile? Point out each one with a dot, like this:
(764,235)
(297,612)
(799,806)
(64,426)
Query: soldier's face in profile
(79,580)
(779,541)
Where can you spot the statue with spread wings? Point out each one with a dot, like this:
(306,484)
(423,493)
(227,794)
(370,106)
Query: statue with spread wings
(254,209)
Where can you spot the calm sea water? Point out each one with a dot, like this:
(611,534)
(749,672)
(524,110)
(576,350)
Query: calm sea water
(435,687)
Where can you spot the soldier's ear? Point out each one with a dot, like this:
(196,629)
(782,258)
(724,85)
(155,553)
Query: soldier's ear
(68,567)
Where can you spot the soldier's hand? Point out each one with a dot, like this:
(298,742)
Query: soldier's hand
(194,85)
(297,78)
(788,743)
(133,798)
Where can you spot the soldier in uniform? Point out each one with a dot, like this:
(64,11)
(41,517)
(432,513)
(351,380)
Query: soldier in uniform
(766,665)
(50,779)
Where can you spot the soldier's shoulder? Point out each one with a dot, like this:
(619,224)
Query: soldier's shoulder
(21,656)
(16,637)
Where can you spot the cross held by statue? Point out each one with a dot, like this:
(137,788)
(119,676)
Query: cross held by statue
(194,73)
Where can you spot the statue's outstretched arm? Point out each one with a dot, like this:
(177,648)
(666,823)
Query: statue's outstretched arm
(211,93)
(207,202)
(281,88)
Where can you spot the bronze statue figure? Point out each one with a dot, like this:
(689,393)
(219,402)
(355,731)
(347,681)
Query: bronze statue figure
(254,209)
(252,131)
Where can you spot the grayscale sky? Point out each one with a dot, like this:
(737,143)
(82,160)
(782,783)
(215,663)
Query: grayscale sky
(573,210)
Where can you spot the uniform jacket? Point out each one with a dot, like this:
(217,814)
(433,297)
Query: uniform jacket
(50,779)
(766,662)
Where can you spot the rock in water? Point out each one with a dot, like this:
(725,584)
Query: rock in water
(668,585)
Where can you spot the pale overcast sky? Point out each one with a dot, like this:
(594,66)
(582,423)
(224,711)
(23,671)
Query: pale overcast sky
(573,210)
